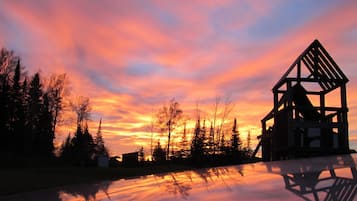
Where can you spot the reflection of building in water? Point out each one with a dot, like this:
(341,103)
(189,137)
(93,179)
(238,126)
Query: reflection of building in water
(324,183)
(303,122)
(330,179)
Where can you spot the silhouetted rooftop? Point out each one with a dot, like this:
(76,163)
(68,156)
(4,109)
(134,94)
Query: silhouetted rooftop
(319,65)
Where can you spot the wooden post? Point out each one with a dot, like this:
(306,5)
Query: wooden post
(299,71)
(324,135)
(290,133)
(263,140)
(343,136)
(273,144)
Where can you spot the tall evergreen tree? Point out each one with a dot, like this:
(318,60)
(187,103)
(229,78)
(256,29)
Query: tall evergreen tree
(46,135)
(236,151)
(17,118)
(197,145)
(235,140)
(88,145)
(83,146)
(211,145)
(159,154)
(141,154)
(34,114)
(222,144)
(184,143)
(100,148)
(7,64)
(66,151)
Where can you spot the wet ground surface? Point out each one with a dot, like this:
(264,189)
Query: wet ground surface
(322,178)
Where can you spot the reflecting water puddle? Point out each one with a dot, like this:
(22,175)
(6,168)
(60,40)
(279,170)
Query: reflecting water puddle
(325,178)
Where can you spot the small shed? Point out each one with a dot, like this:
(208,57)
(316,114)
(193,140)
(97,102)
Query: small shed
(130,159)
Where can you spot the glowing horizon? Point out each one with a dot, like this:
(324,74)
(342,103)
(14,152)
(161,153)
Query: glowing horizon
(132,57)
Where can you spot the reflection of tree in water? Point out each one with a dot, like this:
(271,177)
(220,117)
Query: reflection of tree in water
(182,184)
(214,174)
(178,186)
(88,192)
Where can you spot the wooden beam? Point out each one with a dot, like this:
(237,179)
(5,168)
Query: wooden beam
(300,124)
(333,63)
(331,68)
(317,72)
(309,64)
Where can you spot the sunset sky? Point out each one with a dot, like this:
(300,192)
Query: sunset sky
(131,57)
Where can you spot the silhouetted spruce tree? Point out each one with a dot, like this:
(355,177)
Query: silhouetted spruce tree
(141,154)
(66,150)
(100,149)
(236,143)
(83,144)
(46,135)
(159,153)
(83,147)
(249,148)
(197,145)
(33,138)
(184,143)
(7,64)
(17,115)
(223,145)
(89,147)
(210,144)
(77,146)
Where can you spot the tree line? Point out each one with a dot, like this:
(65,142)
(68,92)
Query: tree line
(210,140)
(32,106)
(30,110)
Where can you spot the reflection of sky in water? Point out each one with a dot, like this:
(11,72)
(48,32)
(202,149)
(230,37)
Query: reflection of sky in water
(330,178)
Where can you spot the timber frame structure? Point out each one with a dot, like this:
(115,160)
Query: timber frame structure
(295,127)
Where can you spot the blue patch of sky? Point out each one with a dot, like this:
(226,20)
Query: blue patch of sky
(163,17)
(222,17)
(167,19)
(351,35)
(229,23)
(143,69)
(281,19)
(105,82)
(12,28)
(284,18)
(245,85)
(80,53)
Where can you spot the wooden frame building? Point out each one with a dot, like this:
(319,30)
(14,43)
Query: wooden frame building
(302,122)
